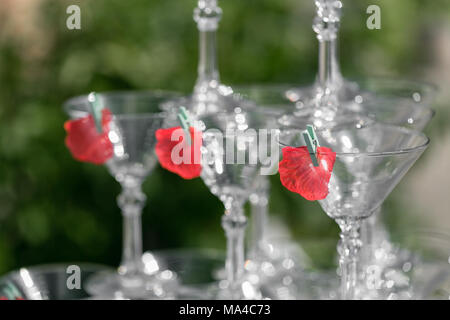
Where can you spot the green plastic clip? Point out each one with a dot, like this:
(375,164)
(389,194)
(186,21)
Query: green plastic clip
(11,291)
(185,124)
(312,143)
(96,110)
(313,136)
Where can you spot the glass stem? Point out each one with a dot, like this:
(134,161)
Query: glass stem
(234,222)
(329,71)
(131,201)
(207,67)
(377,227)
(348,248)
(207,16)
(368,234)
(259,216)
(259,221)
(326,26)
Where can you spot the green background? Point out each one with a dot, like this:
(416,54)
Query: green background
(54,209)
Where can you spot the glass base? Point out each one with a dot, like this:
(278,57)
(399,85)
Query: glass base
(423,281)
(296,284)
(427,280)
(400,274)
(346,92)
(111,285)
(279,265)
(201,276)
(247,289)
(195,268)
(415,268)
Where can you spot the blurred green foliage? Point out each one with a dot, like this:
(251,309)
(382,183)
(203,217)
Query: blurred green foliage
(53,208)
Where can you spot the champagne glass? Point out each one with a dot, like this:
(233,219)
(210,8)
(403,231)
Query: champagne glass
(136,117)
(370,162)
(231,162)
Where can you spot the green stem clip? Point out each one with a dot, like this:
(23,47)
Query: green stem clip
(11,291)
(96,110)
(185,124)
(309,135)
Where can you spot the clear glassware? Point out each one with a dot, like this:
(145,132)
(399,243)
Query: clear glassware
(370,162)
(268,258)
(398,102)
(231,163)
(136,117)
(405,111)
(209,95)
(391,101)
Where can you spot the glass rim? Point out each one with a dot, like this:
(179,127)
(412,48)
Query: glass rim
(233,133)
(427,90)
(426,85)
(49,267)
(70,105)
(359,80)
(265,112)
(372,154)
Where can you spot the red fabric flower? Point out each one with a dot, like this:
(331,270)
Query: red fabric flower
(298,174)
(171,154)
(85,142)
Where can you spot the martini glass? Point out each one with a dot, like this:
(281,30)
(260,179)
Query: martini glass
(136,117)
(370,162)
(231,162)
(399,102)
(267,259)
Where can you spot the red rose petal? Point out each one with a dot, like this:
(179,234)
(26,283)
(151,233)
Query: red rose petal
(3,298)
(186,166)
(298,174)
(85,142)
